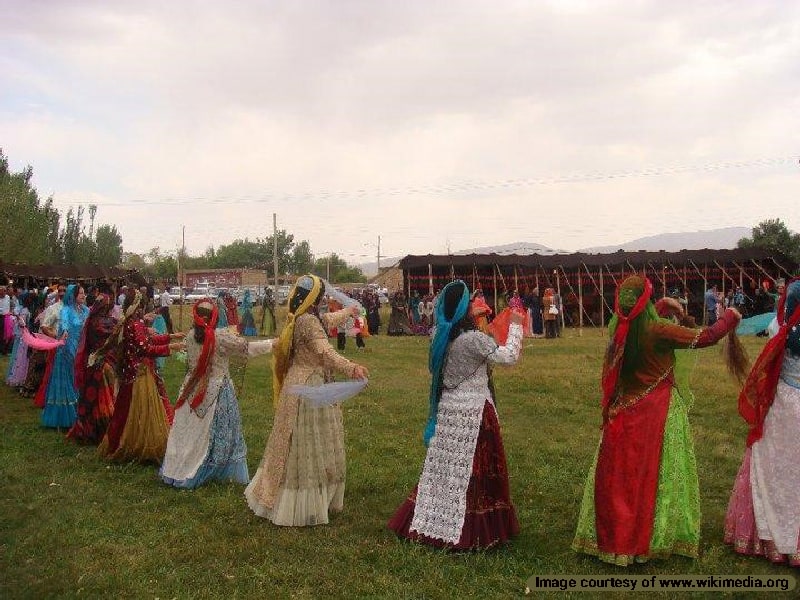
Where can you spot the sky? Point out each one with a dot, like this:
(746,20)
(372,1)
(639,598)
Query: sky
(428,125)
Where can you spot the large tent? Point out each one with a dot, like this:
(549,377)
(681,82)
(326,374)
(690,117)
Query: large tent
(33,275)
(587,282)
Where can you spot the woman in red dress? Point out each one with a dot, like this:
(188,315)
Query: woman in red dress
(142,413)
(95,378)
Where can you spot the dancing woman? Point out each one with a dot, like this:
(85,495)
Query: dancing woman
(95,375)
(302,474)
(641,498)
(61,396)
(462,501)
(206,440)
(763,516)
(142,413)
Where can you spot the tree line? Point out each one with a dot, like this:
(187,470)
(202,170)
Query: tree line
(35,232)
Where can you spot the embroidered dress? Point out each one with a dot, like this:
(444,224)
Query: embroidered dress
(142,413)
(462,500)
(301,477)
(60,396)
(763,517)
(641,498)
(206,442)
(97,383)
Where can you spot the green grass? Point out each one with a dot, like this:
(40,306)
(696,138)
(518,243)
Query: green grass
(73,526)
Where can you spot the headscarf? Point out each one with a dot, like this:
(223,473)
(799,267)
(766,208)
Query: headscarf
(100,308)
(72,316)
(197,383)
(304,296)
(115,339)
(758,391)
(632,301)
(439,348)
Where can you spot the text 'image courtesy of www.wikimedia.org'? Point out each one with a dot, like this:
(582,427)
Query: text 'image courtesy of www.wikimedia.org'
(660,583)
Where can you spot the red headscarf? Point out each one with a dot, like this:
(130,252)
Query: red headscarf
(198,380)
(758,391)
(617,351)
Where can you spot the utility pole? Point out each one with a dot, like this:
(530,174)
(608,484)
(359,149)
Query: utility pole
(181,254)
(379,255)
(275,248)
(328,268)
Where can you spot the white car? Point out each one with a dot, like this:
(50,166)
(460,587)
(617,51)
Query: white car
(177,294)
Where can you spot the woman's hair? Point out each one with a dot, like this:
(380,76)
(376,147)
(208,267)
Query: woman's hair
(452,298)
(130,297)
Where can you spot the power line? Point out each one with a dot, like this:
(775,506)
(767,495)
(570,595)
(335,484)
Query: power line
(454,187)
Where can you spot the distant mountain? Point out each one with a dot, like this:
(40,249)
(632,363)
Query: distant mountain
(716,239)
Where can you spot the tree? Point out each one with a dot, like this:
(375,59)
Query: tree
(109,246)
(773,235)
(30,225)
(302,260)
(336,270)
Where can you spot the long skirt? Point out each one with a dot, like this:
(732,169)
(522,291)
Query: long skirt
(301,478)
(490,518)
(95,405)
(200,449)
(18,363)
(140,425)
(763,516)
(645,514)
(37,366)
(61,397)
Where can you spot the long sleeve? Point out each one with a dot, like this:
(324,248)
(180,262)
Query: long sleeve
(677,337)
(309,331)
(153,345)
(335,319)
(509,353)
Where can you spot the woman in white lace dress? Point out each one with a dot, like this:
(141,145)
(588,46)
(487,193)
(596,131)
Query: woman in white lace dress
(462,501)
(206,440)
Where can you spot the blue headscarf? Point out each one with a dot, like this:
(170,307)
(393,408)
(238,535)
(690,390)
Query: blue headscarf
(439,347)
(72,317)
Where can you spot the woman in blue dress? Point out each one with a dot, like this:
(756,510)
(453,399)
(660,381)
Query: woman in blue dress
(61,397)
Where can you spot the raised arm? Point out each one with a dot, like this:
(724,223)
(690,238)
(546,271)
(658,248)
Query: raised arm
(676,337)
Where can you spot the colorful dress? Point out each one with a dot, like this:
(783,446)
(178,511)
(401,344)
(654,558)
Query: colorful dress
(60,396)
(142,413)
(763,517)
(641,498)
(18,361)
(206,442)
(302,474)
(247,323)
(96,380)
(462,501)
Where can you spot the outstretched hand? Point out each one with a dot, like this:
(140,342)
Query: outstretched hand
(517,317)
(360,372)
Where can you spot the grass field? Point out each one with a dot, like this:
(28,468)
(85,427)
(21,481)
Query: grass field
(74,526)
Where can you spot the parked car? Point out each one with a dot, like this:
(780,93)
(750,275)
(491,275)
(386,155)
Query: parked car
(197,294)
(177,294)
(282,294)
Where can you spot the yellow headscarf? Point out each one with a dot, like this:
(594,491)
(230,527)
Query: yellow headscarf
(282,350)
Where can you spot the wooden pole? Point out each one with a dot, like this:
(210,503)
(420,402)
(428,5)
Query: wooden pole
(430,279)
(580,302)
(602,301)
(494,280)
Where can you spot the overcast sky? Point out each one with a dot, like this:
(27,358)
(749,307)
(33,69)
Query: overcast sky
(431,124)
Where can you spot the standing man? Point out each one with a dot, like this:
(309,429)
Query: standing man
(710,302)
(166,302)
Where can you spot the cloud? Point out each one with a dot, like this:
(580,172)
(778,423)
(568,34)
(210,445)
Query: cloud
(354,119)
